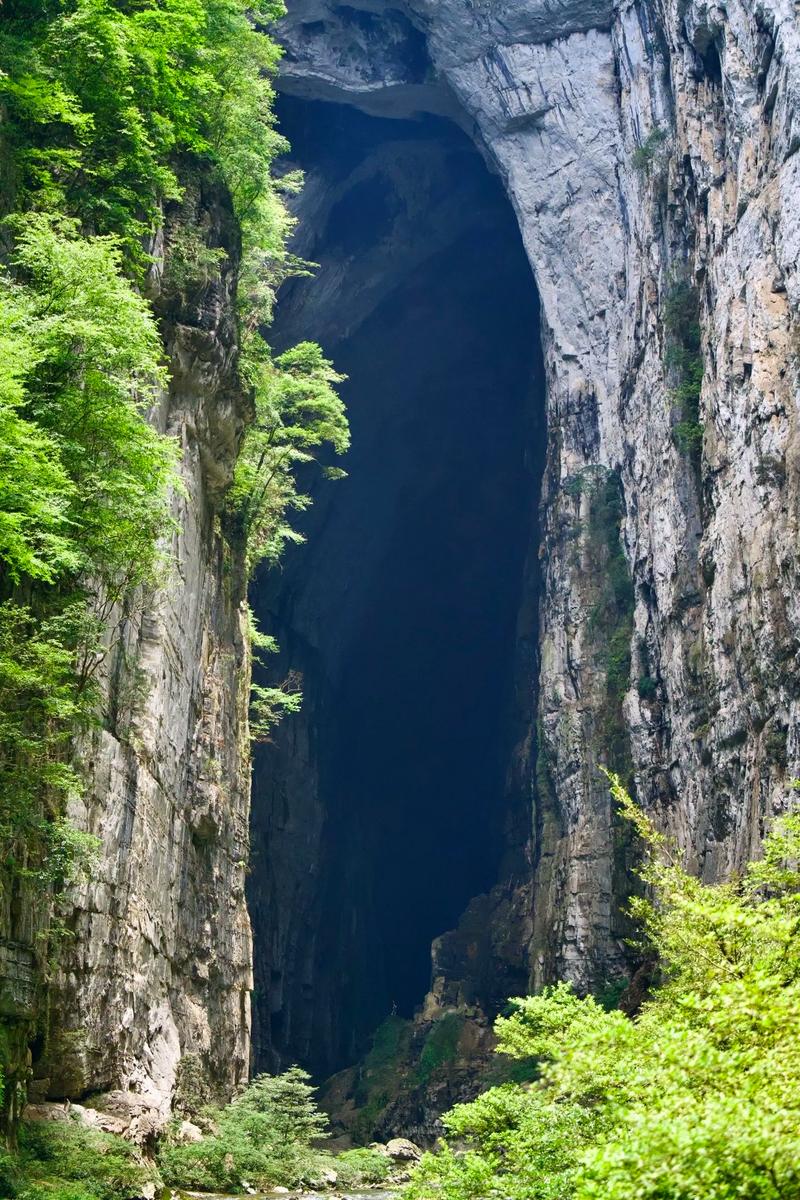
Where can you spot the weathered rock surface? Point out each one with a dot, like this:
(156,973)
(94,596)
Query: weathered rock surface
(399,613)
(649,150)
(158,961)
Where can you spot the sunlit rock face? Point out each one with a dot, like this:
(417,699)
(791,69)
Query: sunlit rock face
(646,151)
(384,806)
(157,961)
(649,155)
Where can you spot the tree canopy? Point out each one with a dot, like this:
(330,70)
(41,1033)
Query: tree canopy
(695,1098)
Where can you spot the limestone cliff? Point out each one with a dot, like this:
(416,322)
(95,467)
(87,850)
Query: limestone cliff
(157,959)
(649,151)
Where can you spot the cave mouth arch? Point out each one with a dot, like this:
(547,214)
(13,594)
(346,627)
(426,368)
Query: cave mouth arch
(383,808)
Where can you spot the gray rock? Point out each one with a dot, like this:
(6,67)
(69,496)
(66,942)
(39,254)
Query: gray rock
(160,961)
(561,98)
(403,1150)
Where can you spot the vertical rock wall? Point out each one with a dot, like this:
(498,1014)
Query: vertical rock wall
(650,152)
(157,961)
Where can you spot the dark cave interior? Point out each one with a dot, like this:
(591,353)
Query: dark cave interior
(381,809)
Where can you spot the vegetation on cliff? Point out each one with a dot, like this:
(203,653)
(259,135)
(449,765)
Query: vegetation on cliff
(106,108)
(697,1096)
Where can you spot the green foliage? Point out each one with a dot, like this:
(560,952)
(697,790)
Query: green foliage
(441,1045)
(66,1161)
(264,1138)
(297,411)
(192,1093)
(84,495)
(610,993)
(681,313)
(268,705)
(645,156)
(611,616)
(380,1075)
(84,366)
(103,97)
(388,1045)
(699,1096)
(42,703)
(362,1167)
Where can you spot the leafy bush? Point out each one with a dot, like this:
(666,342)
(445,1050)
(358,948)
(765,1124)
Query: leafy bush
(681,311)
(55,1189)
(102,98)
(646,155)
(265,1138)
(361,1167)
(697,1097)
(297,411)
(84,366)
(65,1161)
(611,615)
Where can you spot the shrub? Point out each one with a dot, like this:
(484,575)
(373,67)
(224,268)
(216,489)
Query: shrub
(699,1096)
(361,1167)
(51,1189)
(62,1160)
(263,1138)
(681,313)
(648,153)
(440,1046)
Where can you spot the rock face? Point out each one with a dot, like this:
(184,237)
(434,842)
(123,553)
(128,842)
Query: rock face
(649,151)
(158,961)
(399,613)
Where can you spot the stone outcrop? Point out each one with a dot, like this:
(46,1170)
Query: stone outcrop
(649,151)
(157,961)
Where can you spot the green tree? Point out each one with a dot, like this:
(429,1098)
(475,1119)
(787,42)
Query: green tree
(698,1096)
(267,1136)
(297,411)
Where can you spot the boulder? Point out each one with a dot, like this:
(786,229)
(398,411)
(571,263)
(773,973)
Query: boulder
(187,1134)
(403,1150)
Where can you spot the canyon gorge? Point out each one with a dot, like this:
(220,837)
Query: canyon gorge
(556,250)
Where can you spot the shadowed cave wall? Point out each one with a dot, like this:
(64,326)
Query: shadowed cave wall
(385,806)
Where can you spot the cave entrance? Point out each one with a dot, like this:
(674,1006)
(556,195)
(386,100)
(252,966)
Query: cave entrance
(382,809)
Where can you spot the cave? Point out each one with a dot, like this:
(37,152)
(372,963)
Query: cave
(383,807)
